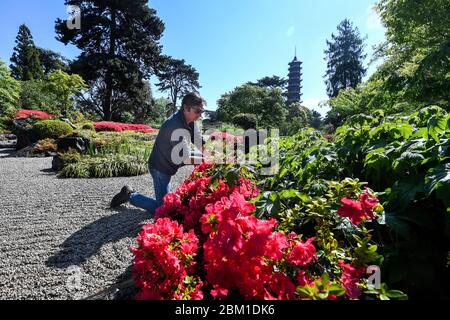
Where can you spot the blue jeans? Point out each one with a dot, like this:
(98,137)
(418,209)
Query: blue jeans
(161,183)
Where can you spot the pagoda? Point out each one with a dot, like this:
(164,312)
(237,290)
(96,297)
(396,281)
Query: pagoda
(295,80)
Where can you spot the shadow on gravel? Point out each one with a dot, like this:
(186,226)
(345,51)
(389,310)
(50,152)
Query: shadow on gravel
(49,172)
(123,289)
(86,242)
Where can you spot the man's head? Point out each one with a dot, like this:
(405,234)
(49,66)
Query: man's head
(193,106)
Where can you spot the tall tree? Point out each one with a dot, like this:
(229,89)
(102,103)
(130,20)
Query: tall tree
(120,47)
(315,120)
(267,104)
(25,63)
(417,51)
(178,78)
(52,61)
(345,59)
(271,83)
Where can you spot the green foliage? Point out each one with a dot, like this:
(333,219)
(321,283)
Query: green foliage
(110,154)
(417,50)
(404,157)
(52,129)
(63,87)
(88,126)
(266,104)
(34,96)
(25,59)
(9,91)
(112,165)
(52,61)
(245,120)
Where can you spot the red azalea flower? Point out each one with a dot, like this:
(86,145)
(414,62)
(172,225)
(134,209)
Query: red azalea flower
(351,209)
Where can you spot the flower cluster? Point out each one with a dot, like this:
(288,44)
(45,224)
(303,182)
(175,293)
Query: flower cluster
(164,257)
(120,127)
(240,241)
(187,204)
(351,276)
(40,115)
(230,253)
(358,211)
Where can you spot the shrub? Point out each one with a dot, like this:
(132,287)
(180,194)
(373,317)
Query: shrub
(245,120)
(40,115)
(107,166)
(88,126)
(120,127)
(46,145)
(52,129)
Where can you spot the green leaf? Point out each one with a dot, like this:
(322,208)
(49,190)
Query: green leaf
(399,225)
(437,177)
(396,294)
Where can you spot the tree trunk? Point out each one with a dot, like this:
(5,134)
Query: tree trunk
(107,108)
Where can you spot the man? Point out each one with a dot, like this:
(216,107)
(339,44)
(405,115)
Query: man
(170,152)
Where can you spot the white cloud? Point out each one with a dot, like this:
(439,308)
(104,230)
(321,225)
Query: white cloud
(290,32)
(373,19)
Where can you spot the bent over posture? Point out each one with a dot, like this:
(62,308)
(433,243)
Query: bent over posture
(170,152)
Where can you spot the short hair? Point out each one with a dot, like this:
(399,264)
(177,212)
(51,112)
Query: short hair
(193,99)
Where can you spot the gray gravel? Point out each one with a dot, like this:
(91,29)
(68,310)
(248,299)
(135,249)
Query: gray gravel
(58,238)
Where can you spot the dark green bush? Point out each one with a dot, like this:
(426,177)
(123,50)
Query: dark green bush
(245,120)
(52,129)
(88,126)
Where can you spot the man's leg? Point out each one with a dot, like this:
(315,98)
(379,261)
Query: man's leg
(161,183)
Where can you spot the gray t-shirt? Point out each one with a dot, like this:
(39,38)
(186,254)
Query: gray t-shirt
(171,147)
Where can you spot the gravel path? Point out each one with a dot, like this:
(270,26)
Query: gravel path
(58,238)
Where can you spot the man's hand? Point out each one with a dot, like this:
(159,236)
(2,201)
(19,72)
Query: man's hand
(193,160)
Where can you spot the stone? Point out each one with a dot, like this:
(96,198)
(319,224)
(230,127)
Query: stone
(79,144)
(25,138)
(57,163)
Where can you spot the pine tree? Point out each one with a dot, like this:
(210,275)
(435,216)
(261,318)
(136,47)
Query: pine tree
(25,64)
(119,44)
(345,57)
(178,78)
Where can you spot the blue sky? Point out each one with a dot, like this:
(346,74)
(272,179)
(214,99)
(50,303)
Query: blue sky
(229,42)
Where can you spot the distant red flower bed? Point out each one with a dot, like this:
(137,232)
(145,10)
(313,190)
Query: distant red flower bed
(41,115)
(120,127)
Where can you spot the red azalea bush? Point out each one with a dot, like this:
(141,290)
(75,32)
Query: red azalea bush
(163,259)
(230,253)
(40,115)
(120,127)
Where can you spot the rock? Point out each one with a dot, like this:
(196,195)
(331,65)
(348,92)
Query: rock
(79,144)
(25,138)
(57,163)
(8,137)
(7,144)
(68,122)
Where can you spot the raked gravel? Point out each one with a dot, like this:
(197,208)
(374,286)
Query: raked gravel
(58,238)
